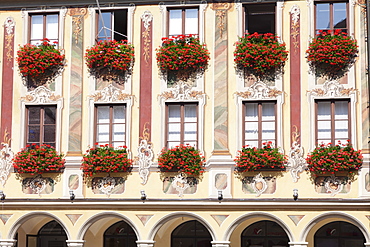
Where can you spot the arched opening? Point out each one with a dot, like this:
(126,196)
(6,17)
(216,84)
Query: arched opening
(339,234)
(51,234)
(120,234)
(264,234)
(191,234)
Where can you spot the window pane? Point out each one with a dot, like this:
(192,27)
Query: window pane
(119,132)
(190,131)
(34,115)
(119,113)
(33,134)
(107,20)
(341,110)
(251,112)
(175,22)
(103,133)
(340,15)
(260,18)
(323,111)
(191,21)
(251,143)
(268,130)
(268,111)
(341,129)
(49,133)
(52,27)
(324,129)
(103,114)
(49,115)
(190,113)
(174,113)
(37,27)
(174,132)
(251,130)
(172,144)
(322,16)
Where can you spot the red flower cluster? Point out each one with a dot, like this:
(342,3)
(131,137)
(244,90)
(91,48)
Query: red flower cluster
(39,64)
(182,55)
(182,158)
(35,159)
(105,158)
(252,159)
(331,54)
(260,55)
(330,159)
(110,60)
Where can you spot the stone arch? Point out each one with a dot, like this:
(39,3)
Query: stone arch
(21,220)
(319,221)
(88,223)
(257,216)
(175,215)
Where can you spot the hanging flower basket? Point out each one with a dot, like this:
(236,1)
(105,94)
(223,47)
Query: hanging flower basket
(183,159)
(35,159)
(265,158)
(183,56)
(110,60)
(260,55)
(331,54)
(327,159)
(40,64)
(105,158)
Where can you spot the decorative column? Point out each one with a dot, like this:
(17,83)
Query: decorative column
(7,85)
(7,242)
(75,92)
(145,243)
(75,243)
(145,152)
(220,243)
(295,74)
(220,110)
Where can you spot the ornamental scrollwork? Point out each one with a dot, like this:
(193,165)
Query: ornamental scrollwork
(296,163)
(180,183)
(110,94)
(41,95)
(6,157)
(181,91)
(332,89)
(259,184)
(333,185)
(145,155)
(147,18)
(259,90)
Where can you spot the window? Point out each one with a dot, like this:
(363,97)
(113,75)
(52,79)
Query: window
(259,123)
(183,21)
(110,127)
(260,18)
(182,124)
(332,121)
(331,16)
(191,233)
(120,234)
(264,234)
(41,125)
(44,26)
(112,25)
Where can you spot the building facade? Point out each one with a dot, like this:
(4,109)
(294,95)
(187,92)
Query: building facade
(218,112)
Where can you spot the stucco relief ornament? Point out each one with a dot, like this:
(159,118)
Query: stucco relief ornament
(38,184)
(145,157)
(6,156)
(41,95)
(296,163)
(259,184)
(332,89)
(259,90)
(182,91)
(109,94)
(106,185)
(333,185)
(180,184)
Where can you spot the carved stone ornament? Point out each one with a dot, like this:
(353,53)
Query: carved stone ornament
(6,157)
(295,12)
(110,94)
(41,95)
(180,183)
(38,184)
(147,18)
(145,156)
(332,89)
(106,185)
(181,91)
(259,184)
(259,90)
(296,163)
(9,25)
(333,185)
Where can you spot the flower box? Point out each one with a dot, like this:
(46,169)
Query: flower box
(40,64)
(38,159)
(331,54)
(182,57)
(110,60)
(328,159)
(105,159)
(266,158)
(182,159)
(261,55)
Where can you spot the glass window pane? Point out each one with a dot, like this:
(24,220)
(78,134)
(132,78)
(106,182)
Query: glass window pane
(49,133)
(251,112)
(33,134)
(191,21)
(268,111)
(119,132)
(107,20)
(341,110)
(119,114)
(49,115)
(323,109)
(174,132)
(173,113)
(341,129)
(52,27)
(103,114)
(322,16)
(190,113)
(268,130)
(172,144)
(103,133)
(324,129)
(34,115)
(37,27)
(175,25)
(251,130)
(190,131)
(251,143)
(340,15)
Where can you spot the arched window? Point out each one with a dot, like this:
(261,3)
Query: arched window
(339,234)
(120,234)
(191,234)
(264,234)
(52,234)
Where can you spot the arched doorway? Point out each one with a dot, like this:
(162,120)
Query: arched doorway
(191,234)
(51,234)
(339,234)
(264,234)
(120,234)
